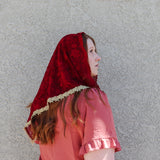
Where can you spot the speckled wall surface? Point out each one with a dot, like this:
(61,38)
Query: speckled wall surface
(127,33)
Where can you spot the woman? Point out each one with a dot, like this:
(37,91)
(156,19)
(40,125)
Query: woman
(70,117)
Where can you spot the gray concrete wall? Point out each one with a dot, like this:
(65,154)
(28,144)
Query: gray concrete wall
(127,33)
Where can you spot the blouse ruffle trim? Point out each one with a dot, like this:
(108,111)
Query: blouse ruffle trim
(100,143)
(54,99)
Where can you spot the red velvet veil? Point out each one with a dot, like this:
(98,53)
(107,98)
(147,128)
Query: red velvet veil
(68,71)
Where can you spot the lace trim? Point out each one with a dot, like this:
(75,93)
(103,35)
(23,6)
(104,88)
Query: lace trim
(54,99)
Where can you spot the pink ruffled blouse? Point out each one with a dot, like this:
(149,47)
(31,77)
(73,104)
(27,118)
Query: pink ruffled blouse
(95,130)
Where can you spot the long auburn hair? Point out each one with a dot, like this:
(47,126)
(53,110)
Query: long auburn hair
(43,126)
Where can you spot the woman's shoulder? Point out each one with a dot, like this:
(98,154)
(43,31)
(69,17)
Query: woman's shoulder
(93,93)
(88,92)
(92,97)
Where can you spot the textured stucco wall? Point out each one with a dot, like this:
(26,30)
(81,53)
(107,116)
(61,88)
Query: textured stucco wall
(127,33)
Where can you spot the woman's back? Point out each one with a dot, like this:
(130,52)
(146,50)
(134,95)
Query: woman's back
(95,129)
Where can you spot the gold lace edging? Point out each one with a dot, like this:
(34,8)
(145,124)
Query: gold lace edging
(54,99)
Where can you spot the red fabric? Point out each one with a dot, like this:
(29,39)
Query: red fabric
(68,68)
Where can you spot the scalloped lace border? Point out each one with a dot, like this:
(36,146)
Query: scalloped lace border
(54,99)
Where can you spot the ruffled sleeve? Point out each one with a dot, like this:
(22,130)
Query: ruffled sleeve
(99,130)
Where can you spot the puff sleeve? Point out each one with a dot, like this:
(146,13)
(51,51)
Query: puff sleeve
(99,130)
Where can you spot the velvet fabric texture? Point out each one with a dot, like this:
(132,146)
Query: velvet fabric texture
(67,69)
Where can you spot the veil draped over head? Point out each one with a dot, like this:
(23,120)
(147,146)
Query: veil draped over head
(68,71)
